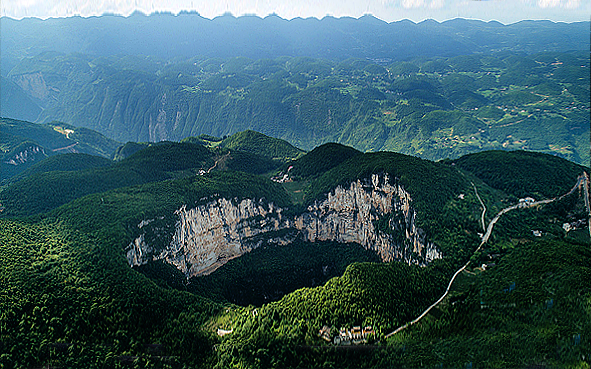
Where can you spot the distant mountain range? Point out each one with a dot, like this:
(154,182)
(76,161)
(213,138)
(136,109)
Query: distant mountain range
(165,36)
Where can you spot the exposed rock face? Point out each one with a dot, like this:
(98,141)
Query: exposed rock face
(209,235)
(34,83)
(31,153)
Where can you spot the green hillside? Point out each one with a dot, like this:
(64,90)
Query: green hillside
(128,149)
(523,173)
(70,299)
(58,180)
(64,279)
(65,163)
(530,309)
(44,191)
(321,159)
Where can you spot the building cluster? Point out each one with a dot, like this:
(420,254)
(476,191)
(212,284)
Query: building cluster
(526,202)
(353,336)
(282,177)
(574,225)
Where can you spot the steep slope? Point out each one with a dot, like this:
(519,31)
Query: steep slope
(15,103)
(70,297)
(207,236)
(432,108)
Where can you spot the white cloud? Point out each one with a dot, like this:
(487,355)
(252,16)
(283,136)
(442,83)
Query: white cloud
(548,3)
(437,4)
(573,4)
(413,3)
(568,4)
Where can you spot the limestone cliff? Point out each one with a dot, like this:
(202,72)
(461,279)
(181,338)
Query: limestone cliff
(207,236)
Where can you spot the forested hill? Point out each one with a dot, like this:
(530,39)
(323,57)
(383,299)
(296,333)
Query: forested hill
(166,36)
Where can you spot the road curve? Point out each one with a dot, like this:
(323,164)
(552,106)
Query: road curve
(582,179)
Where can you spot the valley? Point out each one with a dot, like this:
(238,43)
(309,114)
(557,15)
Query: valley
(246,192)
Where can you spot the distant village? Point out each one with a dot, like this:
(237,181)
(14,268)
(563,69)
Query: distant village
(282,177)
(345,337)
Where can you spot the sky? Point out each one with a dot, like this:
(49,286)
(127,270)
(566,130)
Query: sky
(504,11)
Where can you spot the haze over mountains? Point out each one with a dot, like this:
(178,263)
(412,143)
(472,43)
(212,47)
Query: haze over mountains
(166,36)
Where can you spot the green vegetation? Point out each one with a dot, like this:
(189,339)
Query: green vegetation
(268,273)
(23,144)
(249,162)
(320,160)
(60,179)
(69,298)
(532,308)
(126,150)
(65,163)
(42,192)
(522,173)
(259,144)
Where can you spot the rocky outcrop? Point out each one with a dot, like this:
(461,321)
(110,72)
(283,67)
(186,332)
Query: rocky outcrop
(209,235)
(31,153)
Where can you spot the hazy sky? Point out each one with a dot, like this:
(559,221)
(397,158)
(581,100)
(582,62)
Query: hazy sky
(506,11)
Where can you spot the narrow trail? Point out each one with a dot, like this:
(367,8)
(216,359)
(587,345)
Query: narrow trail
(582,180)
(216,162)
(65,147)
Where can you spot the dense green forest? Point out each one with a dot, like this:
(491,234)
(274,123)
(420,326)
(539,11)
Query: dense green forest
(434,108)
(56,180)
(530,308)
(268,273)
(521,173)
(70,299)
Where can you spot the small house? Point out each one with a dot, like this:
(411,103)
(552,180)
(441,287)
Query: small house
(325,333)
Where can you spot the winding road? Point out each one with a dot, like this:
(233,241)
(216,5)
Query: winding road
(583,180)
(483,207)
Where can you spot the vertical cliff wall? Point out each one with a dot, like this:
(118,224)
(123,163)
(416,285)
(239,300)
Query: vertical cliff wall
(209,235)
